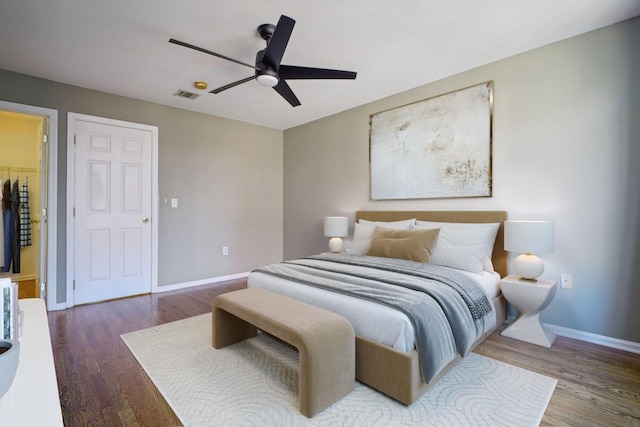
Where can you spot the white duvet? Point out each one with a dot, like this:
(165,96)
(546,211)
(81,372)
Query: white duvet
(376,322)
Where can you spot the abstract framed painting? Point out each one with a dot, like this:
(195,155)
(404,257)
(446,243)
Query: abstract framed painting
(439,147)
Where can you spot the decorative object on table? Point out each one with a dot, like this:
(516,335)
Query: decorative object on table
(529,299)
(336,227)
(10,311)
(9,356)
(436,148)
(529,239)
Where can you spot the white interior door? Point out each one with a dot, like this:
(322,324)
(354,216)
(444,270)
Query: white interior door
(112,211)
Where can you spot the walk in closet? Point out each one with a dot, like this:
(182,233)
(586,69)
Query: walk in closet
(20,178)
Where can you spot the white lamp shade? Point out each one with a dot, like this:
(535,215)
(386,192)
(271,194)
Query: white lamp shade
(336,226)
(529,237)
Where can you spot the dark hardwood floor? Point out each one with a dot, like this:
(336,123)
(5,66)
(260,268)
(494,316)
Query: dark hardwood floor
(101,383)
(597,386)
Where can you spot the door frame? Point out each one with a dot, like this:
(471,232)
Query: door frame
(71,196)
(50,249)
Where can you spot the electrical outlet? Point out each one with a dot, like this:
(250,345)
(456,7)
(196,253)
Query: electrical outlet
(225,250)
(565,281)
(174,203)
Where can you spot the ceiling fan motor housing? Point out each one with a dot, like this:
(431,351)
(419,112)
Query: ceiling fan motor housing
(265,31)
(265,75)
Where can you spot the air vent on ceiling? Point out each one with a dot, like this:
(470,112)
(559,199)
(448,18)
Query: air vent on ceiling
(186,94)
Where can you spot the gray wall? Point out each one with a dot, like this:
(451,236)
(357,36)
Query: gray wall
(565,147)
(227,176)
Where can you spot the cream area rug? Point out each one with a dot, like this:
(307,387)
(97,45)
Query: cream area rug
(255,383)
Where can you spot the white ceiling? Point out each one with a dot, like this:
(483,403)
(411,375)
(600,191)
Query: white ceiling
(121,46)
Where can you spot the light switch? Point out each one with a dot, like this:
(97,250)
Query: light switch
(174,203)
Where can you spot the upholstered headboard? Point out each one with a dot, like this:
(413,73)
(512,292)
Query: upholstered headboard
(499,256)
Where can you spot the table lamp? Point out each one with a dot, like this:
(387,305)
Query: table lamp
(336,227)
(529,238)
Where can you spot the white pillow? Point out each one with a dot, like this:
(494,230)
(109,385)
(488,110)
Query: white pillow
(388,224)
(362,234)
(450,256)
(466,246)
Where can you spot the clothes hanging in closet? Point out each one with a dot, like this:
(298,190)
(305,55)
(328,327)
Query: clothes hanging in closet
(25,216)
(1,232)
(11,219)
(7,221)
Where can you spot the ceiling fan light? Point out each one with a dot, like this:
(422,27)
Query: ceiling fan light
(267,80)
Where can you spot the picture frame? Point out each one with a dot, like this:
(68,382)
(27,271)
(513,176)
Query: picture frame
(438,147)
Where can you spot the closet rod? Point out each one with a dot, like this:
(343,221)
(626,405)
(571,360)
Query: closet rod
(17,169)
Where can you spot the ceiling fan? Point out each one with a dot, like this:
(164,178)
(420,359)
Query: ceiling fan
(267,69)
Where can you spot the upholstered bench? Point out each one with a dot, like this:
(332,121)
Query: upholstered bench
(325,340)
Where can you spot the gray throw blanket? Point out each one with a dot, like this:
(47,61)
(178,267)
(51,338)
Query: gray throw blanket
(473,296)
(449,312)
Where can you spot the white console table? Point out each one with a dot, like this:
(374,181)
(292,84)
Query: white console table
(32,399)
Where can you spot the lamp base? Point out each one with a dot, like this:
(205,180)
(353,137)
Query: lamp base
(528,266)
(335,244)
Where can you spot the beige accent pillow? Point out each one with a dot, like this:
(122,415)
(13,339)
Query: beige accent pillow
(362,234)
(413,245)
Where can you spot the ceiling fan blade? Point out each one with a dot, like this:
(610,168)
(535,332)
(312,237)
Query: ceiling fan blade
(230,85)
(291,72)
(285,91)
(278,42)
(190,46)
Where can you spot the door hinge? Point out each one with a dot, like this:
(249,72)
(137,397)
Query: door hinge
(74,285)
(74,211)
(45,138)
(74,139)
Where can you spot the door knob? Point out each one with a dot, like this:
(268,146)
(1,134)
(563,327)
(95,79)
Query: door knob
(145,220)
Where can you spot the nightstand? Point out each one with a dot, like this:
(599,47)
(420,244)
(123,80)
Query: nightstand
(529,298)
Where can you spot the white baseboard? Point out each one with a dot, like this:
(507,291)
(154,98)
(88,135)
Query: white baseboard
(175,287)
(201,282)
(630,346)
(19,277)
(58,307)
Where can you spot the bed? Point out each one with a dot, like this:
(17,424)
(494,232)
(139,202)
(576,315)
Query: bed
(387,358)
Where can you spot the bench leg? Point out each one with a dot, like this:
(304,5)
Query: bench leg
(227,329)
(327,372)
